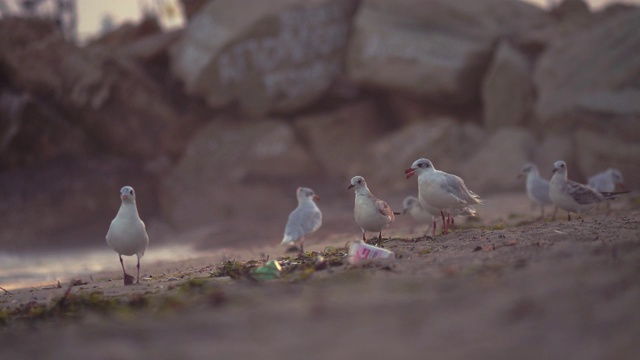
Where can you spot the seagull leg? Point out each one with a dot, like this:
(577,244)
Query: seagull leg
(302,245)
(569,216)
(122,264)
(453,224)
(128,279)
(138,266)
(380,239)
(364,238)
(555,210)
(444,224)
(434,227)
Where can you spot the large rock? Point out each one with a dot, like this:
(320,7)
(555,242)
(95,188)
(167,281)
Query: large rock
(68,201)
(128,33)
(575,12)
(152,47)
(110,98)
(493,168)
(337,138)
(278,55)
(436,49)
(192,7)
(444,141)
(508,94)
(590,79)
(32,132)
(232,170)
(403,109)
(597,151)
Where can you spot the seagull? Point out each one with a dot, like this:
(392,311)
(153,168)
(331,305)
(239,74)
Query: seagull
(371,213)
(537,188)
(445,192)
(607,181)
(572,196)
(428,215)
(304,220)
(412,205)
(127,234)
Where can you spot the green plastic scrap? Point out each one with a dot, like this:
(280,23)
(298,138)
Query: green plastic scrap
(269,271)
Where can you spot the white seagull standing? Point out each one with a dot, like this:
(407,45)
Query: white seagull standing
(371,213)
(443,191)
(412,205)
(572,196)
(429,214)
(537,188)
(607,181)
(127,234)
(304,220)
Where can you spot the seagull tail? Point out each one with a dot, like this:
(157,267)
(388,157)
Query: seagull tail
(475,198)
(469,211)
(288,239)
(613,194)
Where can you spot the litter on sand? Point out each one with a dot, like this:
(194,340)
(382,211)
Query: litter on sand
(359,251)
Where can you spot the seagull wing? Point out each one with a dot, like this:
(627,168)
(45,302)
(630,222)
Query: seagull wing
(456,186)
(310,220)
(384,208)
(582,194)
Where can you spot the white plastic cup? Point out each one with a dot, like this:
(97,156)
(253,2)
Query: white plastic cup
(359,251)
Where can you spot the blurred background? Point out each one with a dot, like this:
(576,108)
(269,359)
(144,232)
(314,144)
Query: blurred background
(215,111)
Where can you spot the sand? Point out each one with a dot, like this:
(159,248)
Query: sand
(505,288)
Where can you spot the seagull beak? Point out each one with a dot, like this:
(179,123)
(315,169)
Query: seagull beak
(350,186)
(316,198)
(404,211)
(622,187)
(124,197)
(554,170)
(410,172)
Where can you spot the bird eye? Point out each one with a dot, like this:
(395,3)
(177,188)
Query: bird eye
(426,165)
(131,192)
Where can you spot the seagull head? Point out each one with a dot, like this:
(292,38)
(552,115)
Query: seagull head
(616,175)
(127,194)
(419,166)
(560,167)
(304,193)
(526,169)
(357,182)
(408,203)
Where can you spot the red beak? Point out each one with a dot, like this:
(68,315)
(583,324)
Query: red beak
(410,172)
(316,197)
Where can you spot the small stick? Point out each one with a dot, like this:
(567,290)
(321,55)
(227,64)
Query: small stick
(5,290)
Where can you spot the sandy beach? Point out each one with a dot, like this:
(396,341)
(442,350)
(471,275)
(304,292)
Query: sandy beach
(507,287)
